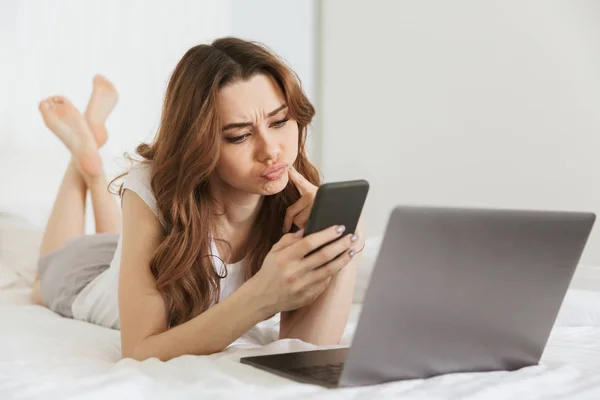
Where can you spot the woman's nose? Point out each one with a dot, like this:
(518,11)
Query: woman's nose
(269,148)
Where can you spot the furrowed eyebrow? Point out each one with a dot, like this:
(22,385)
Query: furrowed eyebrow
(277,110)
(235,125)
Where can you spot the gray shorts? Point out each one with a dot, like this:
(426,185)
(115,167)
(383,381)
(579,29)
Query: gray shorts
(65,272)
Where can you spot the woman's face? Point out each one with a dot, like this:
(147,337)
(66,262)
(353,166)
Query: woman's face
(259,140)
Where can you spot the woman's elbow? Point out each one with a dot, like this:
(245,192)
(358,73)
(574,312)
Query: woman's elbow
(141,352)
(144,351)
(316,339)
(136,353)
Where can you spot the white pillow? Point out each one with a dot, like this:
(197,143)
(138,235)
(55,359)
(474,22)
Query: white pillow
(8,278)
(587,277)
(20,242)
(580,308)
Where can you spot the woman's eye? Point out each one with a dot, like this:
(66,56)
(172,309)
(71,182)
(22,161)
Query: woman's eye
(280,124)
(238,139)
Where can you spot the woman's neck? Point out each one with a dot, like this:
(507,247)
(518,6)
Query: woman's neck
(236,212)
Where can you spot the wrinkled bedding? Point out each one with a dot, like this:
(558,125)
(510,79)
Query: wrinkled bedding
(43,355)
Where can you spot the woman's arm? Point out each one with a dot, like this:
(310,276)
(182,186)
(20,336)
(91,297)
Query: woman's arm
(143,315)
(323,322)
(220,325)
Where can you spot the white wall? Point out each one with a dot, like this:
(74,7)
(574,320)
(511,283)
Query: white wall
(289,28)
(55,47)
(464,103)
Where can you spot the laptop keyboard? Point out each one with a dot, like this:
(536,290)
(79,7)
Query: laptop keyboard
(329,373)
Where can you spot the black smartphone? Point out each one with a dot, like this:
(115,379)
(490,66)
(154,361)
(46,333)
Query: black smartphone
(337,203)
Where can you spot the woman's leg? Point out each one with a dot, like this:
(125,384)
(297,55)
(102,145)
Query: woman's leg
(101,103)
(83,137)
(104,97)
(67,218)
(107,215)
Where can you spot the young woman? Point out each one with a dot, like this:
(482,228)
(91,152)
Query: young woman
(211,242)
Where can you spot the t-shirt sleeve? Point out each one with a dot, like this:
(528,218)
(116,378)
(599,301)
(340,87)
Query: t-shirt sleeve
(138,180)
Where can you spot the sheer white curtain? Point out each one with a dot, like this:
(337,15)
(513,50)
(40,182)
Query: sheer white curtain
(55,47)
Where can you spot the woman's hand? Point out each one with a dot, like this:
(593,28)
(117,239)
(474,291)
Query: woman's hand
(299,212)
(288,280)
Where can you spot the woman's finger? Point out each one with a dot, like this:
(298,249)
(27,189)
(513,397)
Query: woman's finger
(328,253)
(316,240)
(293,210)
(330,269)
(302,218)
(301,183)
(287,240)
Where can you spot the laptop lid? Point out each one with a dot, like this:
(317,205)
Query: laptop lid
(463,290)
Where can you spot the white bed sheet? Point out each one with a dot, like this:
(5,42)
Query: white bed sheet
(45,356)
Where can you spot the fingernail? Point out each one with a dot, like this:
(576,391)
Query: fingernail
(299,233)
(340,229)
(351,253)
(354,238)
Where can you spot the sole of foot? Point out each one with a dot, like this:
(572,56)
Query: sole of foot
(102,101)
(69,125)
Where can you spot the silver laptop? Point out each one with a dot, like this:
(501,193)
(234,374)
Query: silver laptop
(452,290)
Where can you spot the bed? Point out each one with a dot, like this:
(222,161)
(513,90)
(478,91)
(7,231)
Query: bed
(43,355)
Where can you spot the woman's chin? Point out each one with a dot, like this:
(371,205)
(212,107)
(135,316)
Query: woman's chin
(274,187)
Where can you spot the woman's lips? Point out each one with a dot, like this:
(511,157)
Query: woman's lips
(275,172)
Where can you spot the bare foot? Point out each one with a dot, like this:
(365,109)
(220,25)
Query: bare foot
(102,101)
(66,122)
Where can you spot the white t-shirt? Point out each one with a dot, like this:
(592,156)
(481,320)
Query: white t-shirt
(98,302)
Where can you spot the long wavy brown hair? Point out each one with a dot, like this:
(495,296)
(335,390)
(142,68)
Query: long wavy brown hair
(183,156)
